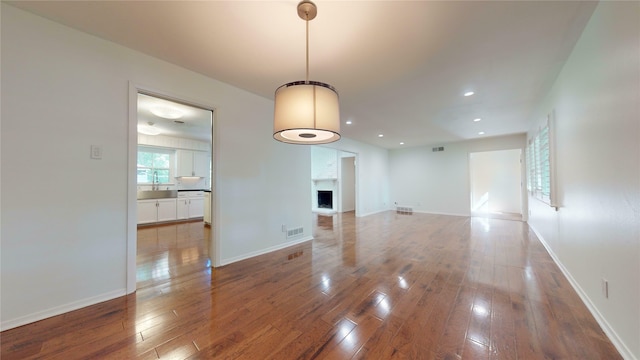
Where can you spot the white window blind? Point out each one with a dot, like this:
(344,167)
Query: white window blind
(540,175)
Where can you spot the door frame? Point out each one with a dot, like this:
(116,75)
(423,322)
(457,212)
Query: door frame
(132,185)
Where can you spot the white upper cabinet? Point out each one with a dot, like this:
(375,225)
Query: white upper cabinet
(201,163)
(192,163)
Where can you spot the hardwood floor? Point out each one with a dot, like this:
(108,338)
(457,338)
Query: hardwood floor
(386,286)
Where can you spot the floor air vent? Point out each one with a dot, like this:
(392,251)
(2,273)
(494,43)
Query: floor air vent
(295,232)
(404,210)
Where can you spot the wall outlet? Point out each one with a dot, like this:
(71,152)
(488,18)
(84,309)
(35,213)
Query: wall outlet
(96,152)
(605,288)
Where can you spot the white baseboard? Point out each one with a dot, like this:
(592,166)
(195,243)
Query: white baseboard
(324,211)
(440,213)
(415,211)
(373,212)
(608,330)
(57,310)
(264,251)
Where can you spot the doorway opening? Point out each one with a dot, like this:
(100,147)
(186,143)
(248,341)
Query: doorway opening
(172,227)
(496,184)
(347,181)
(333,181)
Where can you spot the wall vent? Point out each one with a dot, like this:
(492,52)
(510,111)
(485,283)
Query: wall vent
(404,210)
(438,148)
(295,232)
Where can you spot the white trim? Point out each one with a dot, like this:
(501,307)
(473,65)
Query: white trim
(57,310)
(264,251)
(372,213)
(132,190)
(553,179)
(441,213)
(132,241)
(608,330)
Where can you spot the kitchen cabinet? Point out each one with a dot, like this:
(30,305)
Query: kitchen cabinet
(156,210)
(207,208)
(182,208)
(147,211)
(192,163)
(196,207)
(201,164)
(190,204)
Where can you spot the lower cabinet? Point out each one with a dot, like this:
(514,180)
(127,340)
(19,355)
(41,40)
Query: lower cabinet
(182,208)
(207,208)
(196,207)
(190,205)
(156,210)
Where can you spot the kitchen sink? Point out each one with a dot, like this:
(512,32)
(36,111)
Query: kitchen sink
(157,194)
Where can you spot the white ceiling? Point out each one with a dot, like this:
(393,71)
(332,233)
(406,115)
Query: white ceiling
(400,67)
(192,123)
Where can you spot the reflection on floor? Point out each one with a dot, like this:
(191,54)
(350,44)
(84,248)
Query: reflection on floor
(384,286)
(497,215)
(171,250)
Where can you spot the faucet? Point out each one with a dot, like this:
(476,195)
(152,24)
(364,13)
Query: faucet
(155,185)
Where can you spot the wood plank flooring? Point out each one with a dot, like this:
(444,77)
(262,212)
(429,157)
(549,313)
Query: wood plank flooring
(386,286)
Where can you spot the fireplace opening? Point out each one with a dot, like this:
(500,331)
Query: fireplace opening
(325,199)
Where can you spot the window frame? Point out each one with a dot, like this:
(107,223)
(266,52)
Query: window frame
(540,155)
(157,150)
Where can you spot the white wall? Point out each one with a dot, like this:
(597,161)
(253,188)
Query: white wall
(596,232)
(324,163)
(66,218)
(372,175)
(496,181)
(438,182)
(347,182)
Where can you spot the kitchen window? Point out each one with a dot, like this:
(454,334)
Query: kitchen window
(154,165)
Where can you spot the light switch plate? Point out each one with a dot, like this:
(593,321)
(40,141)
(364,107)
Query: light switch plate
(96,152)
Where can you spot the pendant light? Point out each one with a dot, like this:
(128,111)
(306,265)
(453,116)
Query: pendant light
(306,112)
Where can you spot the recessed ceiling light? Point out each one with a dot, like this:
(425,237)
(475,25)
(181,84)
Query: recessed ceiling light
(401,143)
(166,112)
(348,122)
(476,119)
(469,93)
(481,133)
(380,135)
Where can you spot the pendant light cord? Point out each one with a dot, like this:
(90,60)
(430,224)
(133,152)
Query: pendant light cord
(307,22)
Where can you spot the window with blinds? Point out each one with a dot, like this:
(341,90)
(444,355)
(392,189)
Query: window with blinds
(538,154)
